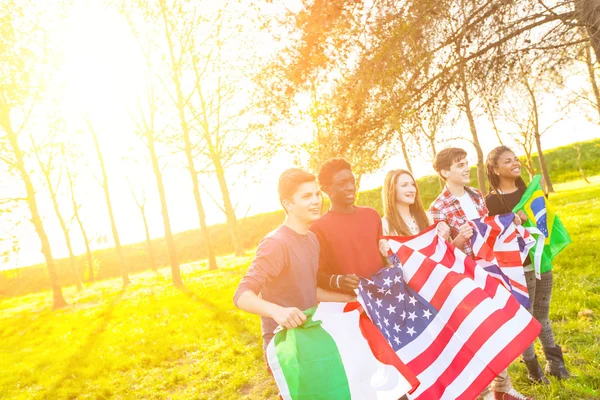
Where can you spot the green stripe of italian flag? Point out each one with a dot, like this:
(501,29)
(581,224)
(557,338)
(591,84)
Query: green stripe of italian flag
(338,353)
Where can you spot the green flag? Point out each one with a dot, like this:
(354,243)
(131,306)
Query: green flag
(540,215)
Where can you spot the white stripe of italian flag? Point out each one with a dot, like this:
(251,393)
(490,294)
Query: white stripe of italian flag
(338,353)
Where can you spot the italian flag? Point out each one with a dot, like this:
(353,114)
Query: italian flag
(338,353)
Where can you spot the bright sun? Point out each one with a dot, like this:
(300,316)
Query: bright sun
(101,65)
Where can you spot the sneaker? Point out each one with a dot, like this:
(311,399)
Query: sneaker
(512,394)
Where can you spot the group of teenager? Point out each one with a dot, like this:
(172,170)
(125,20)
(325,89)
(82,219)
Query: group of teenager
(314,257)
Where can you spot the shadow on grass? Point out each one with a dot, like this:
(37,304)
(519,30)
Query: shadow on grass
(223,315)
(82,352)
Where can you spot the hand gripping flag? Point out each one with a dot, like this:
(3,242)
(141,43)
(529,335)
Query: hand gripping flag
(500,247)
(337,354)
(448,320)
(541,216)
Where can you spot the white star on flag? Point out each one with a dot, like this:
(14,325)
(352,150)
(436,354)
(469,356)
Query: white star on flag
(412,300)
(427,313)
(411,331)
(412,316)
(391,309)
(387,281)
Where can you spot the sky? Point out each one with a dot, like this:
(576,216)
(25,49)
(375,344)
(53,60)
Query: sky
(100,75)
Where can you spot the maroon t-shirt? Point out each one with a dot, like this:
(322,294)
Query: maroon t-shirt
(349,244)
(283,272)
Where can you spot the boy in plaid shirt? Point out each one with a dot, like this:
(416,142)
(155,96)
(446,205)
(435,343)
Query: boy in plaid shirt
(457,205)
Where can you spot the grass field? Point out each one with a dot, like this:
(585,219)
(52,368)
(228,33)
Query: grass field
(154,341)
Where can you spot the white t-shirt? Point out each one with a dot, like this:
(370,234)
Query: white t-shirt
(468,206)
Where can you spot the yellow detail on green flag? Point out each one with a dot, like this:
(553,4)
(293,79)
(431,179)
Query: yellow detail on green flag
(541,215)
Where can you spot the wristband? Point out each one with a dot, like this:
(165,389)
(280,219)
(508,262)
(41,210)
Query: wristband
(330,278)
(337,282)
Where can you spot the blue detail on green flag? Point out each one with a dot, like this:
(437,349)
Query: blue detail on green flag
(540,214)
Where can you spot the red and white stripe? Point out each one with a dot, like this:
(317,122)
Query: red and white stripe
(479,329)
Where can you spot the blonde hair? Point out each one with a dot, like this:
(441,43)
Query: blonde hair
(390,210)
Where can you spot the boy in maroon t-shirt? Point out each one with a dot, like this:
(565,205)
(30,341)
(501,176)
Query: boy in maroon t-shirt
(348,234)
(284,270)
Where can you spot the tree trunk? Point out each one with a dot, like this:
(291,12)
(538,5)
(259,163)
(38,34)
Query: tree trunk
(578,147)
(537,136)
(215,157)
(229,210)
(434,151)
(46,171)
(58,299)
(185,130)
(151,253)
(173,257)
(88,250)
(592,74)
(529,165)
(588,14)
(63,226)
(113,223)
(405,152)
(481,178)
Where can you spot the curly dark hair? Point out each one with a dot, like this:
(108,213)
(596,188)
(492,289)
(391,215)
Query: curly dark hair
(329,169)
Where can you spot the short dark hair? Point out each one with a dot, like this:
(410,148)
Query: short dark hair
(445,158)
(330,168)
(290,180)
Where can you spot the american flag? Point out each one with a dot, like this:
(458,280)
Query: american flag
(500,247)
(452,324)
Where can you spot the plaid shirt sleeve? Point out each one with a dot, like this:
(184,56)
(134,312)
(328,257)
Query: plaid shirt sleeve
(436,214)
(480,203)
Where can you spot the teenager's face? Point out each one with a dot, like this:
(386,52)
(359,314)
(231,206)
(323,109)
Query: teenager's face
(459,172)
(406,190)
(305,204)
(343,188)
(508,166)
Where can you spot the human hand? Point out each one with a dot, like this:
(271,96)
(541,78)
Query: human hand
(289,317)
(517,220)
(465,231)
(346,282)
(443,230)
(384,247)
(522,215)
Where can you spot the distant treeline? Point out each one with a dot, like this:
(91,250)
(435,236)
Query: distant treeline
(562,163)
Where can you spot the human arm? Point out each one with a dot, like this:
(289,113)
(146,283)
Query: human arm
(289,317)
(346,282)
(267,265)
(465,232)
(327,295)
(443,230)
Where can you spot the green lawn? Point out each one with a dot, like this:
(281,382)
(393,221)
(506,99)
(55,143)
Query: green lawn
(157,342)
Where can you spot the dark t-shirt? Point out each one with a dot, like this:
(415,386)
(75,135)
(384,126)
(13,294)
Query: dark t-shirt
(283,272)
(349,244)
(495,205)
